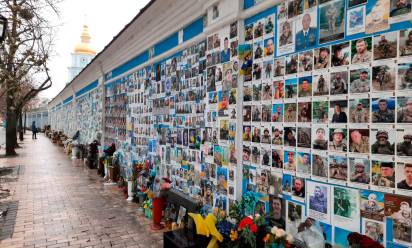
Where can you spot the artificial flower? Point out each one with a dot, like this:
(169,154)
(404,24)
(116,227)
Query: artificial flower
(266,238)
(273,230)
(248,222)
(289,238)
(280,233)
(233,235)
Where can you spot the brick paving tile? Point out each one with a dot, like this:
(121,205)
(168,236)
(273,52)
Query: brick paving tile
(56,203)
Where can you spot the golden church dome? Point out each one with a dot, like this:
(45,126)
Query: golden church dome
(83,46)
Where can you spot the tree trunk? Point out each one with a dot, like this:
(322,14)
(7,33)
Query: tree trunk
(11,131)
(25,122)
(21,128)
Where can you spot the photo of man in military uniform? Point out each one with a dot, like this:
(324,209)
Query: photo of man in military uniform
(404,110)
(359,140)
(382,144)
(320,141)
(290,113)
(382,114)
(339,83)
(359,111)
(359,174)
(362,82)
(321,85)
(362,53)
(385,46)
(385,176)
(318,201)
(338,140)
(405,76)
(319,166)
(404,148)
(307,35)
(405,42)
(342,205)
(322,58)
(383,78)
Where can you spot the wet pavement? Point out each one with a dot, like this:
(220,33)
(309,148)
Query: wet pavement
(47,201)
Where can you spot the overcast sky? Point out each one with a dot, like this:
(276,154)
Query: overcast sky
(105,20)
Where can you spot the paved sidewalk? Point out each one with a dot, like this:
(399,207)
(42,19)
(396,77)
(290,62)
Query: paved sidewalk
(53,203)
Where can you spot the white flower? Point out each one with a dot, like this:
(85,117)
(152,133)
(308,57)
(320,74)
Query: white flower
(279,233)
(257,216)
(273,230)
(289,238)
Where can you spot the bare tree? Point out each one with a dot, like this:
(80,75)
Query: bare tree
(23,64)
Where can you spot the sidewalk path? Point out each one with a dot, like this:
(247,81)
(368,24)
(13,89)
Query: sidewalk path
(54,203)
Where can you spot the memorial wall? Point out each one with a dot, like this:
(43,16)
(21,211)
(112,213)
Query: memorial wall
(307,103)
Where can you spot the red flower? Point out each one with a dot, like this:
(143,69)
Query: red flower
(248,222)
(363,240)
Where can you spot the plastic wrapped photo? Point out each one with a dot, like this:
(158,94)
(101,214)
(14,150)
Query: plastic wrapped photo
(405,42)
(306,61)
(361,50)
(320,112)
(359,169)
(360,80)
(404,142)
(405,76)
(332,21)
(383,173)
(320,138)
(289,161)
(290,112)
(359,110)
(304,137)
(338,168)
(319,166)
(322,58)
(404,109)
(385,46)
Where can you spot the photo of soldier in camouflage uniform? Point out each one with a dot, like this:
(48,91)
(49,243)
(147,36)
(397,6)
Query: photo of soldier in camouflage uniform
(383,174)
(383,143)
(383,110)
(383,77)
(404,110)
(405,76)
(359,170)
(404,144)
(385,46)
(359,110)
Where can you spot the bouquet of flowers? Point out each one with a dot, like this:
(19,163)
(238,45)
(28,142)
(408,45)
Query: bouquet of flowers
(277,238)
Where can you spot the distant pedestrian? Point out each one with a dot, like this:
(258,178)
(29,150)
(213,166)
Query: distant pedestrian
(33,130)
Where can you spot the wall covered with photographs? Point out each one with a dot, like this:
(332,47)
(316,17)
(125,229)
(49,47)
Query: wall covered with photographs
(307,103)
(82,113)
(327,121)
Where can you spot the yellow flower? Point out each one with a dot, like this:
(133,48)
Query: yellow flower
(233,235)
(222,213)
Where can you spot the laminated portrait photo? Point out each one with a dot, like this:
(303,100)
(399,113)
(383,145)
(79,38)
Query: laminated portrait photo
(404,177)
(277,159)
(320,166)
(372,205)
(332,21)
(285,37)
(346,208)
(359,170)
(318,199)
(355,20)
(377,16)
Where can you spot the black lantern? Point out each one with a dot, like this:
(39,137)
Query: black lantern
(3,27)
